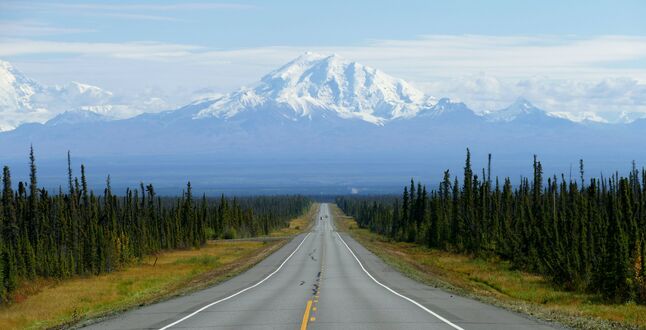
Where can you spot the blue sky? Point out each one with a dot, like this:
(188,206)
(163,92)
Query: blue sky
(556,53)
(322,23)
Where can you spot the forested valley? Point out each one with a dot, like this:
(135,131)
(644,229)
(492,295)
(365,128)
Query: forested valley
(75,231)
(583,235)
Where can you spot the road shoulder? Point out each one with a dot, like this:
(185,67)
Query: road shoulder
(456,304)
(174,307)
(87,300)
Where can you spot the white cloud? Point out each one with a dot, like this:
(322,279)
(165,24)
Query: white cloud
(512,57)
(608,97)
(426,57)
(130,50)
(27,28)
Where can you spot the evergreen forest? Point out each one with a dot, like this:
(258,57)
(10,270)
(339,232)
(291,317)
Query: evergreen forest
(75,231)
(584,235)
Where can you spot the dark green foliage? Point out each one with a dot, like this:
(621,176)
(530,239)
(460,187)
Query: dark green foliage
(80,233)
(588,237)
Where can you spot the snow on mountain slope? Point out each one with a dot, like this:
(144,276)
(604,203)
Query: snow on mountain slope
(310,87)
(82,94)
(580,117)
(16,93)
(525,113)
(313,107)
(76,117)
(313,85)
(16,89)
(520,109)
(23,100)
(448,109)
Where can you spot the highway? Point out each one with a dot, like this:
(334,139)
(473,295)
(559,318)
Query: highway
(320,280)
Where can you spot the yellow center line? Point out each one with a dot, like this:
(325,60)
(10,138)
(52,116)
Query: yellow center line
(306,315)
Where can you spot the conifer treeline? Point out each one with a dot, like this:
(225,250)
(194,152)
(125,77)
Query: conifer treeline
(77,232)
(588,236)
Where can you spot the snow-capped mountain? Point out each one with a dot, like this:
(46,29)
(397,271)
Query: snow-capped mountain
(16,89)
(580,117)
(24,100)
(16,94)
(83,94)
(309,87)
(315,117)
(76,117)
(316,85)
(447,109)
(521,109)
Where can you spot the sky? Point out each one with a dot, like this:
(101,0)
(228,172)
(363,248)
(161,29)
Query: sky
(578,57)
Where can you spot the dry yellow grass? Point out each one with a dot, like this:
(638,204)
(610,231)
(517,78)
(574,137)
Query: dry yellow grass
(494,281)
(48,303)
(298,225)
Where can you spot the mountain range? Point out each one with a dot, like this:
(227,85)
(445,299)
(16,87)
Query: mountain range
(314,110)
(24,100)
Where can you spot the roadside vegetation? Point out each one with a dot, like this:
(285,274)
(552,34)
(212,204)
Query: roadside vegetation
(584,237)
(46,303)
(497,282)
(297,225)
(68,256)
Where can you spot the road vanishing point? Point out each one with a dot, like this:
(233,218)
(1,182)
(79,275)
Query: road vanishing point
(322,279)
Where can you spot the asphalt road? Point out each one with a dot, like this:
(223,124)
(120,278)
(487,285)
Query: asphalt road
(321,280)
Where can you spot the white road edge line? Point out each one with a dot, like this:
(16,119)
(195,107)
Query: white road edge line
(396,293)
(239,292)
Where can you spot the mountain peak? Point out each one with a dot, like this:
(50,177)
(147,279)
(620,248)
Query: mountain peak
(445,101)
(520,108)
(76,117)
(16,91)
(523,105)
(80,89)
(10,74)
(314,84)
(5,65)
(445,105)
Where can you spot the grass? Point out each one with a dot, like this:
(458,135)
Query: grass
(298,225)
(495,281)
(47,303)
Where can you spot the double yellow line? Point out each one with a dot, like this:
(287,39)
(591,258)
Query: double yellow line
(308,307)
(308,310)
